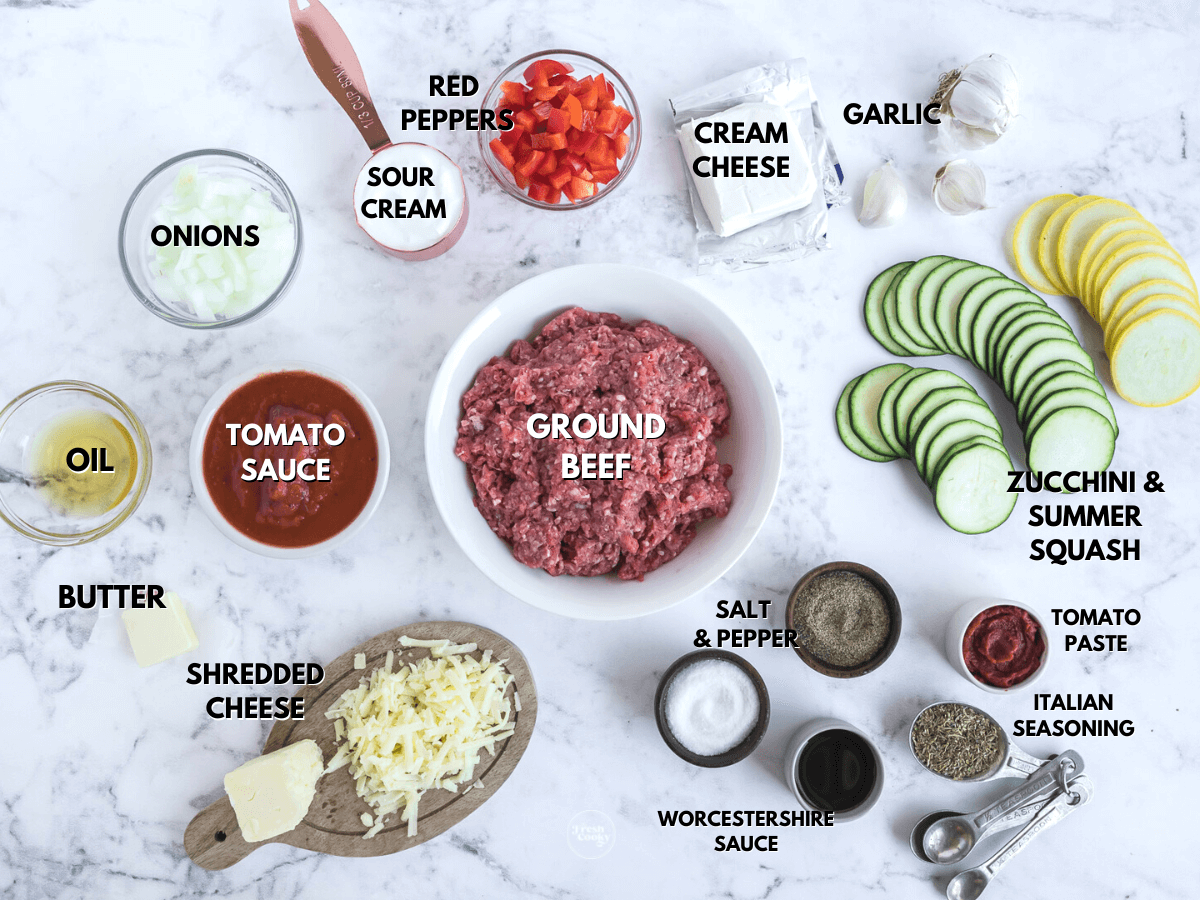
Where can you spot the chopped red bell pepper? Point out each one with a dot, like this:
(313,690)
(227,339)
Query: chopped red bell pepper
(548,141)
(525,119)
(580,141)
(560,176)
(558,121)
(527,164)
(544,68)
(578,189)
(621,143)
(567,136)
(574,110)
(502,153)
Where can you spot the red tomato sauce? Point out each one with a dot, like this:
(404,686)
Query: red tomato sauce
(1003,646)
(294,513)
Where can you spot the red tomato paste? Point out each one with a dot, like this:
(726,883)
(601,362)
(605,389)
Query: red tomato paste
(295,512)
(1003,646)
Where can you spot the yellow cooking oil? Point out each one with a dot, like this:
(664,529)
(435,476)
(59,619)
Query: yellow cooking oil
(84,461)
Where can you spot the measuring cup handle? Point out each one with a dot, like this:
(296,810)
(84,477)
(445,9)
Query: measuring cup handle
(333,59)
(1021,763)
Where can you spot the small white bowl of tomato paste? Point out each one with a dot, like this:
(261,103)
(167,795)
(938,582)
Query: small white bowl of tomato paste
(998,645)
(289,460)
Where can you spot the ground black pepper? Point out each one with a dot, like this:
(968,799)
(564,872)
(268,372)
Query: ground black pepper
(842,619)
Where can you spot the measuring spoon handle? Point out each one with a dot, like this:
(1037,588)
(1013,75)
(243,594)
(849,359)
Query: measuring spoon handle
(333,59)
(1079,792)
(1041,783)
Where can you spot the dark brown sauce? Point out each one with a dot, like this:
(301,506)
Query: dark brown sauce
(836,770)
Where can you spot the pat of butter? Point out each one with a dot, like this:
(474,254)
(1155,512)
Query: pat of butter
(157,634)
(271,794)
(735,203)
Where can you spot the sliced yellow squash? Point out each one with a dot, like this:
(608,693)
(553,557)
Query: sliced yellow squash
(1023,243)
(1078,228)
(1156,362)
(1184,305)
(1136,294)
(1133,271)
(1048,241)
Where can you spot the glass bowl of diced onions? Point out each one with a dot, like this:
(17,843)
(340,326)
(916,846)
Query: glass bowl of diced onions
(210,238)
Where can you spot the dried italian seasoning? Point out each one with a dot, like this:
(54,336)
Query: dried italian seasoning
(957,741)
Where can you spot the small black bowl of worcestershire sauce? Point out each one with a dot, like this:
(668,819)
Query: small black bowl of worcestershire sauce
(831,766)
(289,460)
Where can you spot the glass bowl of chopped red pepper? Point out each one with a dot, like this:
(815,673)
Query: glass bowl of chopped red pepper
(576,129)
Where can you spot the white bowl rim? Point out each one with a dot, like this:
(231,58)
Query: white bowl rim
(976,605)
(444,401)
(196,460)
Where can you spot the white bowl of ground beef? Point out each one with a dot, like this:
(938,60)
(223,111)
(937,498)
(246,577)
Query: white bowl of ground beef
(751,443)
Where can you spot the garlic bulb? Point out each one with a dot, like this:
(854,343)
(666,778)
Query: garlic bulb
(977,102)
(884,198)
(959,188)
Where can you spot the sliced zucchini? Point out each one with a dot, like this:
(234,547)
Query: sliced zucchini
(864,405)
(937,467)
(1019,341)
(949,297)
(984,341)
(927,296)
(971,491)
(1070,397)
(906,300)
(915,391)
(846,433)
(887,410)
(933,408)
(988,288)
(933,442)
(1070,376)
(873,307)
(1036,377)
(1046,353)
(1071,439)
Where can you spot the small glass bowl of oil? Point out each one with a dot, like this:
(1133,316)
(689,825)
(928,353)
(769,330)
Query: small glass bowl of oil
(74,463)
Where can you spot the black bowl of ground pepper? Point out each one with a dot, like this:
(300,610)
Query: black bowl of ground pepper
(846,617)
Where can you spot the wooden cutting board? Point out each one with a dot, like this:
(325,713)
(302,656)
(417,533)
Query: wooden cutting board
(213,839)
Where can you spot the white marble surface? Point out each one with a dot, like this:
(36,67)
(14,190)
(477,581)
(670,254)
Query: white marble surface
(102,764)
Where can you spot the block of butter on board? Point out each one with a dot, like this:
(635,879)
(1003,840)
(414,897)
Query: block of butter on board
(749,165)
(157,633)
(271,794)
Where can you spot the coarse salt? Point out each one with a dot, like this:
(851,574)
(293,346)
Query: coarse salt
(712,706)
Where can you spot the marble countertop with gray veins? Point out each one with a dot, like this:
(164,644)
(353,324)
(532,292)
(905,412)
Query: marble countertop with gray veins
(103,764)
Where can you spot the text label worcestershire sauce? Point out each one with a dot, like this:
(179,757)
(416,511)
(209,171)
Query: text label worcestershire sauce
(304,468)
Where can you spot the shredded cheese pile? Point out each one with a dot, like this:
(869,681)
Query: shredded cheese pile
(420,727)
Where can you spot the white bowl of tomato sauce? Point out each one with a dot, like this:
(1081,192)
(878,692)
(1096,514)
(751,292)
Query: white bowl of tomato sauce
(998,645)
(752,444)
(289,459)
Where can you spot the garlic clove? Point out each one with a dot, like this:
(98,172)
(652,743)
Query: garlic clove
(953,135)
(978,107)
(885,198)
(959,188)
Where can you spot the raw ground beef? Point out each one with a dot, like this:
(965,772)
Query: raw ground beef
(586,362)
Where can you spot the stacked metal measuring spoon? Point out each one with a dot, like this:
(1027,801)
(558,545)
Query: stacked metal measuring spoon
(1054,790)
(1050,790)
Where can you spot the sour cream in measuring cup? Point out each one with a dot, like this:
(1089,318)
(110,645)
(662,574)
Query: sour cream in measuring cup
(411,200)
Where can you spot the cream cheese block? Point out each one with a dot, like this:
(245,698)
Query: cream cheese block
(271,794)
(759,136)
(157,634)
